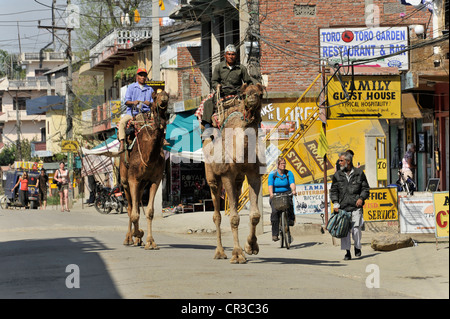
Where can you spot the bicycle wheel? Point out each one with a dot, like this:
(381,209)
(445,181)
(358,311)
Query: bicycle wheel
(285,230)
(281,230)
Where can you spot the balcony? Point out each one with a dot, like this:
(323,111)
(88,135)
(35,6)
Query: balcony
(32,83)
(116,46)
(28,58)
(12,116)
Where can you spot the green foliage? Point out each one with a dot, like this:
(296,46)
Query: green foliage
(127,73)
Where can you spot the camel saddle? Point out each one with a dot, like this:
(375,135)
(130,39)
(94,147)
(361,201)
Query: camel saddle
(224,110)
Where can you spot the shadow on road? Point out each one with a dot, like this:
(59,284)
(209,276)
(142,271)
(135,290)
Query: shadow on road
(37,269)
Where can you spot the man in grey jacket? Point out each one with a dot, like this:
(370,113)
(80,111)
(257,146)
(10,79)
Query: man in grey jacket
(349,190)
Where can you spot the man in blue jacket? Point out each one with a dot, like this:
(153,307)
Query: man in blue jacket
(349,190)
(138,99)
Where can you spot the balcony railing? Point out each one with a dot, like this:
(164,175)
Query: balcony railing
(120,37)
(31,83)
(48,56)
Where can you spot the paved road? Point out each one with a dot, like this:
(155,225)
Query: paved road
(36,247)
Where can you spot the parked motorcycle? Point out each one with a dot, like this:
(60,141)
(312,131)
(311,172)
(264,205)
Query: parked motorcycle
(107,200)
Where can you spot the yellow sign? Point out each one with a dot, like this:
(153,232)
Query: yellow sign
(440,202)
(369,97)
(382,205)
(115,112)
(69,146)
(381,169)
(28,165)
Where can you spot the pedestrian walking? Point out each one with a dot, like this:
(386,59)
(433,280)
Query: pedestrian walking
(22,183)
(42,186)
(349,190)
(63,179)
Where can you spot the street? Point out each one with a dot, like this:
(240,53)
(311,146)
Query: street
(79,254)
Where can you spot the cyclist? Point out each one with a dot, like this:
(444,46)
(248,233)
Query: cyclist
(281,181)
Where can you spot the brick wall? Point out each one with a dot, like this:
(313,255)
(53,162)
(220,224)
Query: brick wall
(294,26)
(188,57)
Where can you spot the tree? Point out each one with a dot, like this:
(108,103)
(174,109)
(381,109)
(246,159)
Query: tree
(99,17)
(6,61)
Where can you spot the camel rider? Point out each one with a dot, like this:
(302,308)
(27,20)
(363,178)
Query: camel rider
(231,75)
(138,99)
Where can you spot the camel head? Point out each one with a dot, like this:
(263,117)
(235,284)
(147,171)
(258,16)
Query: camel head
(160,103)
(252,96)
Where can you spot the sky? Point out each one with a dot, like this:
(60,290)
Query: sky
(27,13)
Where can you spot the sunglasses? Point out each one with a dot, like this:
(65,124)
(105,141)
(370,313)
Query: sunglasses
(142,74)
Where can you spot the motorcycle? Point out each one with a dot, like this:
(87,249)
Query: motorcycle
(108,199)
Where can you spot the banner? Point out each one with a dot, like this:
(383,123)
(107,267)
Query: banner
(440,202)
(310,199)
(416,215)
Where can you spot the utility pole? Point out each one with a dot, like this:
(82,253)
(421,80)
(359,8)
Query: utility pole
(68,96)
(156,46)
(254,44)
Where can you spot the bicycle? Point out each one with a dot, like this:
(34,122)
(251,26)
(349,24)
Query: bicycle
(282,203)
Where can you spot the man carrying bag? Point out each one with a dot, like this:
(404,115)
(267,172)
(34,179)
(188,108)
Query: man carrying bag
(349,190)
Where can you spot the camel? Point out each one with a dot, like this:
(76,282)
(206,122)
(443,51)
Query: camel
(227,162)
(143,165)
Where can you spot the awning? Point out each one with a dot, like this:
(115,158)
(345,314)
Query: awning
(43,104)
(410,109)
(184,136)
(110,147)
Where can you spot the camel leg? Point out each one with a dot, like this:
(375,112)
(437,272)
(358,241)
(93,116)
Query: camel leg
(128,237)
(149,213)
(215,186)
(134,216)
(237,254)
(254,181)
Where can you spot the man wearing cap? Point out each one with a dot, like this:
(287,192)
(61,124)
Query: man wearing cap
(138,99)
(230,75)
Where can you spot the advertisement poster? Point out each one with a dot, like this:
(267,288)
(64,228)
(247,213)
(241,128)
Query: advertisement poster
(440,201)
(381,205)
(310,199)
(416,215)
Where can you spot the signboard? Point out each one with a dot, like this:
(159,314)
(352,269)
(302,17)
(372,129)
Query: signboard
(382,205)
(381,169)
(69,146)
(440,202)
(416,215)
(310,199)
(115,113)
(344,45)
(369,97)
(23,165)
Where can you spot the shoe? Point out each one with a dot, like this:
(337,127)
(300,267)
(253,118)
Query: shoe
(122,147)
(275,238)
(165,143)
(348,256)
(357,252)
(291,222)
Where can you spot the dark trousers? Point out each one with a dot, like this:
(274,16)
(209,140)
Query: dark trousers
(23,197)
(275,218)
(208,110)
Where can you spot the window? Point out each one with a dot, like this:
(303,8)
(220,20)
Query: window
(21,102)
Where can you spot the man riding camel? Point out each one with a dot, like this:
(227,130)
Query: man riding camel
(230,75)
(138,99)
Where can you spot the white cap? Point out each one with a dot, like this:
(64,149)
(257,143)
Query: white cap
(230,48)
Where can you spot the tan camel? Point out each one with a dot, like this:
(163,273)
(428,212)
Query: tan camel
(230,155)
(144,165)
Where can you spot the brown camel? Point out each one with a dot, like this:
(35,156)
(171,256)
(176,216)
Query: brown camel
(143,165)
(231,154)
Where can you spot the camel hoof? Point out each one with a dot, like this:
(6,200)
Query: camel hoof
(137,242)
(151,246)
(220,254)
(252,249)
(238,260)
(128,242)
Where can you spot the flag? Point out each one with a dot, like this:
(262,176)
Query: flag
(161,5)
(323,144)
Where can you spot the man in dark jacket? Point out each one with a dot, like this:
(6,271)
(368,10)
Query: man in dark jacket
(230,75)
(349,190)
